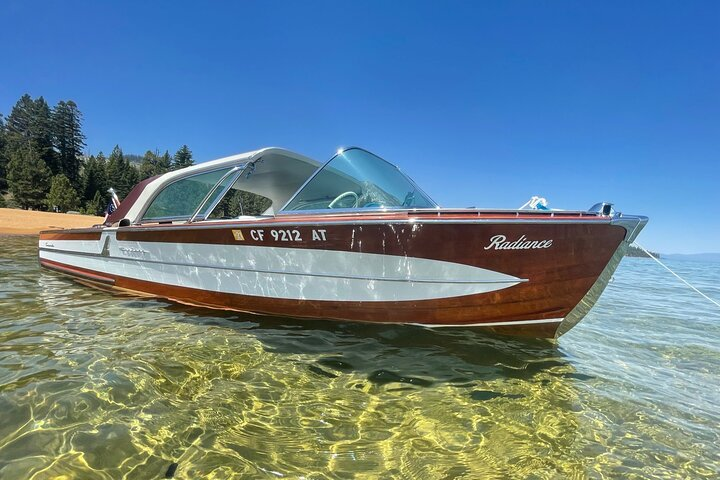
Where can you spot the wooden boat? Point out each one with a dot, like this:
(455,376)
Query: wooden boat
(273,232)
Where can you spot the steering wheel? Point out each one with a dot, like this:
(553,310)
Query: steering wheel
(342,196)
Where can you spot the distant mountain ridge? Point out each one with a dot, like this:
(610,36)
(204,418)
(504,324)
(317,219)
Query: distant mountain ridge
(695,257)
(134,159)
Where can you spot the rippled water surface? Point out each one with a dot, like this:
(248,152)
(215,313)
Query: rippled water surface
(99,385)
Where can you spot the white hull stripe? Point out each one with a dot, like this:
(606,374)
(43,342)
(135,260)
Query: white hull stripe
(287,273)
(491,324)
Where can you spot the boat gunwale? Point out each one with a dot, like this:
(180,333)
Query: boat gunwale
(342,220)
(275,222)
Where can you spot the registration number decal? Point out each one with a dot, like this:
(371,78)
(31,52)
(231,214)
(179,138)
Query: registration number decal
(279,235)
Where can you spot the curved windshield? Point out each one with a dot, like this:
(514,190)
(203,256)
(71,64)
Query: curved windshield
(356,178)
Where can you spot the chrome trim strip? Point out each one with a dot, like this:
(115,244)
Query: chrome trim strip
(340,152)
(163,219)
(437,211)
(282,272)
(488,324)
(409,221)
(345,211)
(633,224)
(582,217)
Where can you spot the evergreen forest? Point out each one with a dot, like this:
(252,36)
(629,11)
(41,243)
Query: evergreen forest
(44,165)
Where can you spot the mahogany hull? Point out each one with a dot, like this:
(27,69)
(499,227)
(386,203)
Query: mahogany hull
(512,275)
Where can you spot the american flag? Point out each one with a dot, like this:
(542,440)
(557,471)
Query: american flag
(113,204)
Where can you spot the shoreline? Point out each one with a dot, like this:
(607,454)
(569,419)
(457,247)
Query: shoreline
(31,222)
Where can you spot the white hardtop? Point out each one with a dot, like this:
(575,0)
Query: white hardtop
(277,175)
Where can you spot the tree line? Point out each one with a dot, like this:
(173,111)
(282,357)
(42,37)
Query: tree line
(44,167)
(633,251)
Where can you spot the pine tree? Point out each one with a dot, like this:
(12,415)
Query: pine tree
(3,156)
(95,206)
(121,175)
(28,177)
(164,163)
(19,120)
(149,164)
(114,170)
(42,133)
(62,196)
(131,178)
(183,158)
(94,178)
(30,122)
(154,164)
(68,139)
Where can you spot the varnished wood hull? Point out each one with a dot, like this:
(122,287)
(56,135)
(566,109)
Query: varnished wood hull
(438,271)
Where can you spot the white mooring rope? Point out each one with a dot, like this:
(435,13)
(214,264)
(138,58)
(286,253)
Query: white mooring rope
(678,276)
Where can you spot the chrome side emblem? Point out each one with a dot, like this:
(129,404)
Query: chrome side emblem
(500,242)
(105,252)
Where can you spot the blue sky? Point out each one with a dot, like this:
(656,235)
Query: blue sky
(482,103)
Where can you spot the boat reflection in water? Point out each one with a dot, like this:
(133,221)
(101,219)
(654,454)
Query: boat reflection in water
(353,239)
(387,353)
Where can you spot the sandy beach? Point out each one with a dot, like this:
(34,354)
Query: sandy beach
(25,222)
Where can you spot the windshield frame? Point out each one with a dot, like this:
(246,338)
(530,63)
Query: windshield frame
(282,211)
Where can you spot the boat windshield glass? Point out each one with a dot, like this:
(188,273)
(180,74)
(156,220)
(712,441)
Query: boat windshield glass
(180,199)
(356,178)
